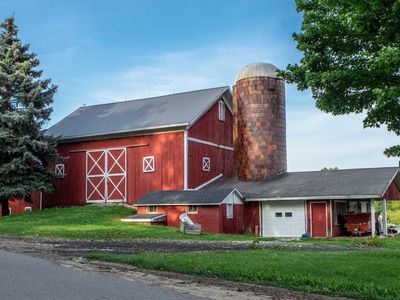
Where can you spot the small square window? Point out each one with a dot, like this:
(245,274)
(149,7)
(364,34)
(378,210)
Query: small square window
(59,170)
(229,210)
(288,214)
(221,110)
(206,164)
(191,209)
(278,215)
(152,209)
(149,164)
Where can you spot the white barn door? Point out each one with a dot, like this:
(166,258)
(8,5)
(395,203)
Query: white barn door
(106,175)
(283,219)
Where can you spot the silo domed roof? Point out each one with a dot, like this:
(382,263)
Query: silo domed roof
(258,69)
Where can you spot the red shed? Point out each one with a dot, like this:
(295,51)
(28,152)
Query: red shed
(218,211)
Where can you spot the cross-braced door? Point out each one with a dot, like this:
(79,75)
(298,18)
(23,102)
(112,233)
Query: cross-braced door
(106,175)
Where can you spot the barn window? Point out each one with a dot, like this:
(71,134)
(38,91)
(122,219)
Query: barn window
(278,215)
(191,209)
(229,210)
(152,209)
(221,110)
(288,214)
(59,170)
(149,164)
(206,164)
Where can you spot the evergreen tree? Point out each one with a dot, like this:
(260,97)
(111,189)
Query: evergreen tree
(25,106)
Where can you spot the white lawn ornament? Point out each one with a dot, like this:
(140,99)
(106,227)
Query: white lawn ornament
(185,219)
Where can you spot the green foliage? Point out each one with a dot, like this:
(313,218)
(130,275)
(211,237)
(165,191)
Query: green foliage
(25,106)
(330,169)
(362,275)
(374,242)
(392,211)
(351,59)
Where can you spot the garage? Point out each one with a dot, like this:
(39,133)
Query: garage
(283,219)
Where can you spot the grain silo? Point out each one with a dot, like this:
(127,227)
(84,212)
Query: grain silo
(259,122)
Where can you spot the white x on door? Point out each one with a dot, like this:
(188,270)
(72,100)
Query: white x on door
(106,175)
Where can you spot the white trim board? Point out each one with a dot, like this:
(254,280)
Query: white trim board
(206,183)
(209,143)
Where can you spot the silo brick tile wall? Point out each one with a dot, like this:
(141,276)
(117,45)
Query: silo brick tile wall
(259,128)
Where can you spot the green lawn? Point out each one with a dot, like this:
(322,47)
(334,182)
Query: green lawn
(379,242)
(93,222)
(103,222)
(362,275)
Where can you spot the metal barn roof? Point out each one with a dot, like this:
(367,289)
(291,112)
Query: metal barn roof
(199,197)
(175,110)
(340,184)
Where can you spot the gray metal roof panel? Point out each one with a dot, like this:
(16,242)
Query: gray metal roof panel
(316,184)
(156,112)
(206,197)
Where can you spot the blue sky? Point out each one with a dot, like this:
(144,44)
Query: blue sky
(104,51)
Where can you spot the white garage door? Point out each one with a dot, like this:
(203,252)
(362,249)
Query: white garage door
(283,219)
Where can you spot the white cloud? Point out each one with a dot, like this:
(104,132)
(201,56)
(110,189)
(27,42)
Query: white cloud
(316,139)
(180,71)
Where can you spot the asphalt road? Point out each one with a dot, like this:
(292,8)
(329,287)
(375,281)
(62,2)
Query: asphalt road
(25,277)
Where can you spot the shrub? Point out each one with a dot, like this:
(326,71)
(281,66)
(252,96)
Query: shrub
(375,242)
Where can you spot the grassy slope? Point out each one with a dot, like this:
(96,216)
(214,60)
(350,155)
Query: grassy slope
(92,222)
(370,275)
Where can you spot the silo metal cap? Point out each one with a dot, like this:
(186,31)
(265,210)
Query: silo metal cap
(258,69)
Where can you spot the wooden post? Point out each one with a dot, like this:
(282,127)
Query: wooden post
(373,229)
(384,217)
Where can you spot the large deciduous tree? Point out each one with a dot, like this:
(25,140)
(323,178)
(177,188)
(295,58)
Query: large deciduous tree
(351,59)
(25,106)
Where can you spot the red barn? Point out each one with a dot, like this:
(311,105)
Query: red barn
(118,152)
(192,152)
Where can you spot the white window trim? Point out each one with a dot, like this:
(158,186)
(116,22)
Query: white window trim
(221,110)
(151,212)
(229,215)
(192,212)
(59,170)
(149,164)
(206,164)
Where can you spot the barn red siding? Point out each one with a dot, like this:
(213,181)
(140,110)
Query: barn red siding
(393,192)
(210,128)
(221,161)
(167,148)
(208,216)
(17,206)
(235,224)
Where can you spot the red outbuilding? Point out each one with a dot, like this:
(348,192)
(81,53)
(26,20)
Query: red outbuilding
(218,211)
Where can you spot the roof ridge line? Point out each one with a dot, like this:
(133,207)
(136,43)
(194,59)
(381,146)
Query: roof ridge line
(148,98)
(341,170)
